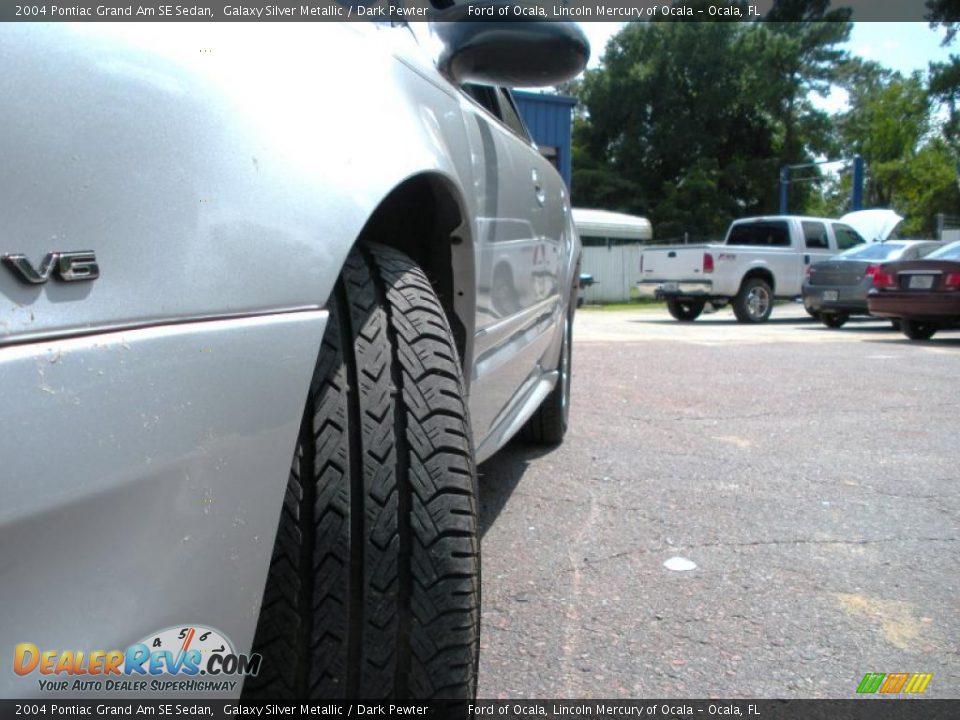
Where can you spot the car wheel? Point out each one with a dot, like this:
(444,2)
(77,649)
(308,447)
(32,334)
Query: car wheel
(917,330)
(895,323)
(685,310)
(815,314)
(834,320)
(374,584)
(754,301)
(548,424)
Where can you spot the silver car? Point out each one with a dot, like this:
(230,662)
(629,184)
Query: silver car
(229,246)
(837,288)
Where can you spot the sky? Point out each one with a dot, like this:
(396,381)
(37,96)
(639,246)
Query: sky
(901,46)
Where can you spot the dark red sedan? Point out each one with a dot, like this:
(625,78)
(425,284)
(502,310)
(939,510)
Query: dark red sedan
(923,294)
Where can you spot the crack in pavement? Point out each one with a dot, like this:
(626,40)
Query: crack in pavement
(763,543)
(907,497)
(779,414)
(580,502)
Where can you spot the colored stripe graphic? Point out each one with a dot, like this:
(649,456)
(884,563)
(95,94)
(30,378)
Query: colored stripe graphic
(918,683)
(870,682)
(892,683)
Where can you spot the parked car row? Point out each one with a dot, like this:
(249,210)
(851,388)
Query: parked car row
(837,288)
(839,267)
(760,259)
(914,283)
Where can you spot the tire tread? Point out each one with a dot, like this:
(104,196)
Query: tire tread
(373,588)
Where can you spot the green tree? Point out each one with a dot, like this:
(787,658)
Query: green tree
(945,77)
(830,197)
(945,89)
(887,123)
(665,99)
(944,13)
(929,187)
(798,54)
(689,123)
(910,165)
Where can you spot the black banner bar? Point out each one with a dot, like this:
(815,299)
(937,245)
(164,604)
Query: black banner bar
(424,10)
(873,708)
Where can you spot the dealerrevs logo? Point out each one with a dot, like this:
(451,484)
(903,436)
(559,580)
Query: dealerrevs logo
(154,663)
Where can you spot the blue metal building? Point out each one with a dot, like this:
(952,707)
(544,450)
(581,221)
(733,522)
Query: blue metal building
(549,118)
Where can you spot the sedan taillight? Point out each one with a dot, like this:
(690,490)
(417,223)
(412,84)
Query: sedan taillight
(872,270)
(952,281)
(883,279)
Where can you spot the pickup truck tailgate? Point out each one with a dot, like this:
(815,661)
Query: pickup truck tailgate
(672,263)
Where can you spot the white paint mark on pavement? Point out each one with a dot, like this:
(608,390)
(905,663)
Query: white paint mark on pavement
(680,564)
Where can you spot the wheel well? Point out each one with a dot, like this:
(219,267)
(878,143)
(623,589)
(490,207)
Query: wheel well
(764,275)
(423,217)
(503,269)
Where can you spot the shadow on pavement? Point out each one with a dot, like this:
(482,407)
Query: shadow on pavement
(726,321)
(863,326)
(935,342)
(500,475)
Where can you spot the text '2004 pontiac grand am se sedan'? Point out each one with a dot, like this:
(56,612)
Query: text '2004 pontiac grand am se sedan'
(228,246)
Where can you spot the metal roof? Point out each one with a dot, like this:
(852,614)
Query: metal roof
(611,224)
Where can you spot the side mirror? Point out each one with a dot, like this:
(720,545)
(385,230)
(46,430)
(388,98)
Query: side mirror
(519,51)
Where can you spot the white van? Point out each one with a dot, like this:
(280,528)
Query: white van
(611,252)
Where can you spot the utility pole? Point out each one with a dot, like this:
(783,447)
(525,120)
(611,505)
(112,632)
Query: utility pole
(856,201)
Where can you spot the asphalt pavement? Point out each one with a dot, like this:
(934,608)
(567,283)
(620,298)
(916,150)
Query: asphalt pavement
(810,475)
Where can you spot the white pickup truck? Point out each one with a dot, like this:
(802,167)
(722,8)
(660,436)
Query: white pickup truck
(761,258)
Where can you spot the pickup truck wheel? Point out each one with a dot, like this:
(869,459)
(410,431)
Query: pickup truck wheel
(685,310)
(548,424)
(917,330)
(374,585)
(834,320)
(754,301)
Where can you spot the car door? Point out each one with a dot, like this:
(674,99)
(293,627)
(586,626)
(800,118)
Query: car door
(817,245)
(521,239)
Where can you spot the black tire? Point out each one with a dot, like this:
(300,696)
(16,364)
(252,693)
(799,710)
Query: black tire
(815,314)
(754,301)
(916,330)
(374,584)
(834,320)
(895,323)
(548,424)
(685,310)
